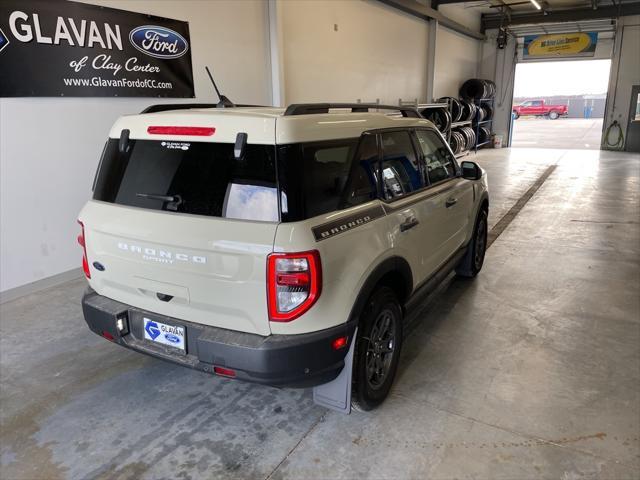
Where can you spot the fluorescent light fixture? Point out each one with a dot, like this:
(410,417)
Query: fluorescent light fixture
(536,4)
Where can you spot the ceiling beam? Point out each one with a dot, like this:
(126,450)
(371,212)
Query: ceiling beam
(425,13)
(437,3)
(491,21)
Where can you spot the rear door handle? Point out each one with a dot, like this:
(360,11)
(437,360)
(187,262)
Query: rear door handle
(450,202)
(408,224)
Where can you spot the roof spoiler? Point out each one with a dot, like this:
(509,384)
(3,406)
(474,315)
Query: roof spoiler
(164,107)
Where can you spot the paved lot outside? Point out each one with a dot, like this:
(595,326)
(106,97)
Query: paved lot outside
(581,133)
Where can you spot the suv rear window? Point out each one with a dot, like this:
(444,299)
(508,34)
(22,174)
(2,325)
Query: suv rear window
(190,177)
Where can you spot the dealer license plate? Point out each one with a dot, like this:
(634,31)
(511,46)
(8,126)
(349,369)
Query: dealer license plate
(169,335)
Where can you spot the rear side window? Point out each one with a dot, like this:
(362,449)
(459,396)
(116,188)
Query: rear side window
(314,177)
(190,177)
(401,172)
(439,161)
(363,179)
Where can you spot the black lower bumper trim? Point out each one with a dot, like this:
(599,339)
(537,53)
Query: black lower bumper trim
(303,360)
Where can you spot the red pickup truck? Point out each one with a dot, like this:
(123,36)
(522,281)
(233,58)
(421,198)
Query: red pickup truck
(539,109)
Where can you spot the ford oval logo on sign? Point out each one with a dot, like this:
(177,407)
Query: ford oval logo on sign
(159,42)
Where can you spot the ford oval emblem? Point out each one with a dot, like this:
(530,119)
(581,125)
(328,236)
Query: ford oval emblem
(172,338)
(159,42)
(98,266)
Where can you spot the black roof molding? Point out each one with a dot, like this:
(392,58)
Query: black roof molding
(316,108)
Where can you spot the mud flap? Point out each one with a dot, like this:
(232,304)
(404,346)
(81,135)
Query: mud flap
(336,394)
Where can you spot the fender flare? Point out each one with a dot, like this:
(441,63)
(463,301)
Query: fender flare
(389,265)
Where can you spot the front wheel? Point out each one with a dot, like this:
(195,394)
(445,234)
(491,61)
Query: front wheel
(553,115)
(377,349)
(516,115)
(473,259)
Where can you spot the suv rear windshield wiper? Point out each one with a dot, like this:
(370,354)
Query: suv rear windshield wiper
(164,198)
(173,201)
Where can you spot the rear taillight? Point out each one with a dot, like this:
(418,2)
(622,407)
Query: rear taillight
(294,283)
(83,244)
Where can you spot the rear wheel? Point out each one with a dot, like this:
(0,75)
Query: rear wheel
(473,259)
(553,115)
(377,349)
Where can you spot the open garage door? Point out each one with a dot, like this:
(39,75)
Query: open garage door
(560,85)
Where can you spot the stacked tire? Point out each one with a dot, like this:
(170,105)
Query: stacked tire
(462,139)
(476,89)
(440,117)
(456,107)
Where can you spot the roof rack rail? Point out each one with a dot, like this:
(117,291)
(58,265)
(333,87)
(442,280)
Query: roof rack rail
(163,107)
(315,108)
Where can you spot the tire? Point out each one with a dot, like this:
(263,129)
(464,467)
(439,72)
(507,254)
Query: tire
(374,365)
(553,115)
(516,115)
(473,259)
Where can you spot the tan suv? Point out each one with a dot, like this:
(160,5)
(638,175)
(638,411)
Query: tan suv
(266,244)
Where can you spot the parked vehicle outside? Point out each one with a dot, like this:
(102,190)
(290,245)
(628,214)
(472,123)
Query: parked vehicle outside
(539,108)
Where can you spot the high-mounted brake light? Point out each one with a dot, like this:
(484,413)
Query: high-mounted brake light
(183,131)
(294,283)
(83,244)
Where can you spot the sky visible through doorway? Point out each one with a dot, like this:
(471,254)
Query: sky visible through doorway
(582,77)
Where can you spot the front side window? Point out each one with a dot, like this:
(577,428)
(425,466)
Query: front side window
(401,173)
(439,161)
(196,178)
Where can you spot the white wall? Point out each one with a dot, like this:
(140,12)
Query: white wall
(625,72)
(456,61)
(49,147)
(377,52)
(456,55)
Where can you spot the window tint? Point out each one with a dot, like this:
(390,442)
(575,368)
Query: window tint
(313,177)
(439,161)
(536,103)
(400,169)
(190,177)
(363,180)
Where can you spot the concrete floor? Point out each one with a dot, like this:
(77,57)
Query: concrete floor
(531,371)
(578,133)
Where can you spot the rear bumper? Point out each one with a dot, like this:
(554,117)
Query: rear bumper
(280,360)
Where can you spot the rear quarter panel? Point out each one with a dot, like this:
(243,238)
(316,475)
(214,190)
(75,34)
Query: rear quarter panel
(347,260)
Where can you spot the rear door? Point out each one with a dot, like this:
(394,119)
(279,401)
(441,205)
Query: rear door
(183,229)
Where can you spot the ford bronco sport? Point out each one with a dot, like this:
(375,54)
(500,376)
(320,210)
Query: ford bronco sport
(271,244)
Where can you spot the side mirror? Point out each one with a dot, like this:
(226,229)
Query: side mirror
(471,170)
(239,147)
